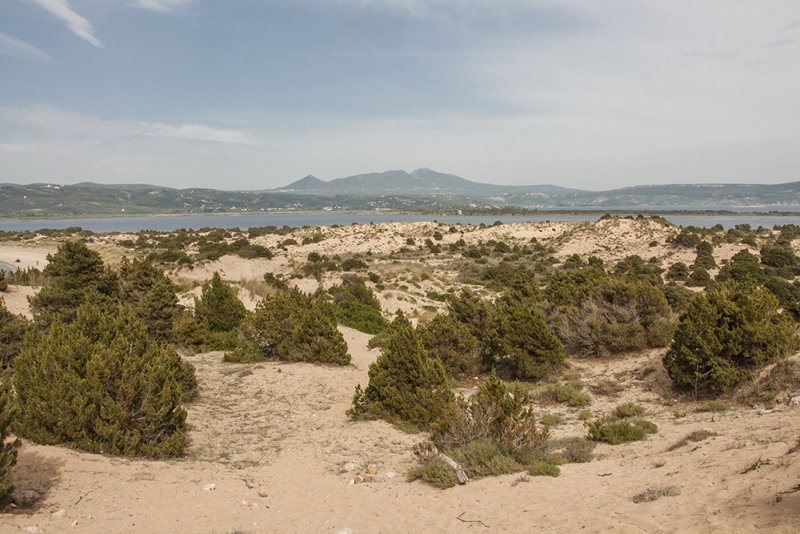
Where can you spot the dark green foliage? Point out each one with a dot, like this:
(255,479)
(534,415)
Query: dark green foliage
(151,294)
(357,307)
(436,473)
(275,282)
(3,280)
(678,297)
(361,317)
(619,316)
(634,268)
(778,257)
(522,336)
(451,342)
(727,333)
(404,383)
(8,450)
(699,277)
(218,306)
(687,238)
(354,264)
(102,385)
(74,272)
(573,288)
(475,313)
(12,332)
(788,294)
(678,271)
(742,265)
(574,262)
(291,327)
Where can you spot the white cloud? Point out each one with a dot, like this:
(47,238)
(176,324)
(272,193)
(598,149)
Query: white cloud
(200,132)
(11,46)
(163,5)
(77,24)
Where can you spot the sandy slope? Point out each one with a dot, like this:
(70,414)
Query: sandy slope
(271,438)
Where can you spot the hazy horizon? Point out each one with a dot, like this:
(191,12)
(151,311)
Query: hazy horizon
(256,94)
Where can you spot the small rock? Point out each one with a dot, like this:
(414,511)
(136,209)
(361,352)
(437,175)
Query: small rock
(358,480)
(75,523)
(351,482)
(372,469)
(244,503)
(31,529)
(326,407)
(209,487)
(369,478)
(344,531)
(390,474)
(60,513)
(765,412)
(348,466)
(794,401)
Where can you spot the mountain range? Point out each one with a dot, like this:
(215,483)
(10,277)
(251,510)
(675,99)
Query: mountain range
(429,182)
(420,190)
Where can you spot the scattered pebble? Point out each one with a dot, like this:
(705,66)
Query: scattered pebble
(209,487)
(372,469)
(390,474)
(348,466)
(60,513)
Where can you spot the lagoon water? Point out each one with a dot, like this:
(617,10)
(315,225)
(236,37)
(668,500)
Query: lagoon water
(169,223)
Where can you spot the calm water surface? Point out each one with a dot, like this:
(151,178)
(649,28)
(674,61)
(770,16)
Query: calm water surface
(169,223)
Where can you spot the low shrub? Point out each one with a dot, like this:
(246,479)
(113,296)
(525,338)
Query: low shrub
(8,450)
(714,405)
(563,393)
(607,387)
(549,420)
(102,385)
(576,450)
(726,334)
(451,342)
(628,409)
(615,432)
(404,383)
(696,436)
(542,469)
(655,493)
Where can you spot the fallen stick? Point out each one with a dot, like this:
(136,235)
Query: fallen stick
(462,476)
(471,520)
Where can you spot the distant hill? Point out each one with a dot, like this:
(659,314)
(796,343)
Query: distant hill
(429,182)
(420,181)
(420,190)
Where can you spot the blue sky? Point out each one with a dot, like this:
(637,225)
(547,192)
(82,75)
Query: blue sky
(253,94)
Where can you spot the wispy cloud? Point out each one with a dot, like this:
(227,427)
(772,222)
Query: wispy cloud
(11,46)
(163,6)
(200,132)
(77,24)
(779,44)
(792,25)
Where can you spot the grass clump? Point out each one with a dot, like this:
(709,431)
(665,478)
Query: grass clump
(696,436)
(576,450)
(628,409)
(714,405)
(655,493)
(563,393)
(551,420)
(543,469)
(607,387)
(436,473)
(615,432)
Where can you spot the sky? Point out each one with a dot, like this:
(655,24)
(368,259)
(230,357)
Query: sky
(255,94)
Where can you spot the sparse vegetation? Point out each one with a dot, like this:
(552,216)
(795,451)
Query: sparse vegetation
(656,492)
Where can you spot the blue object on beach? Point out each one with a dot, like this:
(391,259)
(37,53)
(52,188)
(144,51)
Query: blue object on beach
(17,261)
